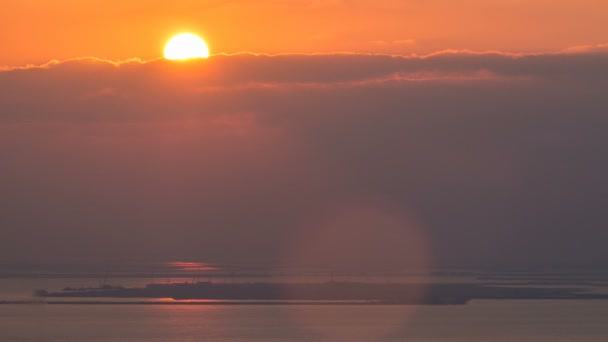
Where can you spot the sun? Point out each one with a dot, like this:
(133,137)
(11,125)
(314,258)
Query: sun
(186,46)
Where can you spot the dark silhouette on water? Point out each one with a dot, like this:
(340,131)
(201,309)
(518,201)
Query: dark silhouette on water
(329,292)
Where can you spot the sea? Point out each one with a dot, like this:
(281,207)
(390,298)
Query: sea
(478,321)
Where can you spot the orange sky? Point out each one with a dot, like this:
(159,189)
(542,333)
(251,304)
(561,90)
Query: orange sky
(35,31)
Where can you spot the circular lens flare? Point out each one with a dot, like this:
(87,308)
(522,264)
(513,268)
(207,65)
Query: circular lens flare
(186,46)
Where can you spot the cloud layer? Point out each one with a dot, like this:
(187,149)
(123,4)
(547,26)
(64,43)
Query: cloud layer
(480,158)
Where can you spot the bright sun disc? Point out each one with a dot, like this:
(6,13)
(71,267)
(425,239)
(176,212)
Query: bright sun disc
(186,46)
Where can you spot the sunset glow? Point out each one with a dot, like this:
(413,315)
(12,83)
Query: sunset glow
(186,46)
(189,266)
(303,170)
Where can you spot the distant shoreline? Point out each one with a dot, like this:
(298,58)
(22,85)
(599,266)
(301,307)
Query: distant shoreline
(209,303)
(328,293)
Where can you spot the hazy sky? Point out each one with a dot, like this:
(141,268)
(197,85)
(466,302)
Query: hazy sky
(446,157)
(35,31)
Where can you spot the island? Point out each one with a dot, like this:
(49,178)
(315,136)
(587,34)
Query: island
(334,292)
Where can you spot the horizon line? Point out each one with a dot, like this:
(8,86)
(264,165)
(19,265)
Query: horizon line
(571,50)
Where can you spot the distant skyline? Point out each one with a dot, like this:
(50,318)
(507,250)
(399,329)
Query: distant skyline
(418,148)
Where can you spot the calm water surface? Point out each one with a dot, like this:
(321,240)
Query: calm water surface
(536,321)
(479,321)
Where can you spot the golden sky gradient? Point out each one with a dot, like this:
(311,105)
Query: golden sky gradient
(35,31)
